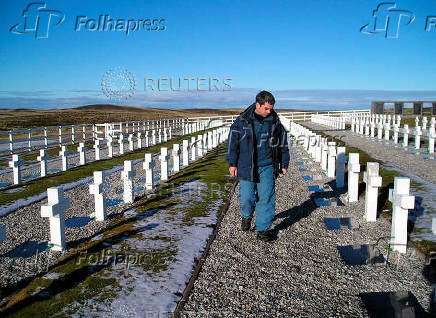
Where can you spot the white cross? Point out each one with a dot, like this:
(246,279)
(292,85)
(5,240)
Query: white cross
(406,132)
(353,177)
(163,163)
(97,189)
(200,145)
(64,154)
(121,142)
(373,182)
(97,148)
(15,164)
(340,167)
(401,203)
(185,153)
(43,159)
(131,142)
(127,175)
(148,167)
(82,153)
(193,149)
(139,137)
(331,160)
(55,211)
(110,146)
(176,158)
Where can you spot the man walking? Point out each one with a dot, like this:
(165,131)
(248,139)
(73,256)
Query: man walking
(257,152)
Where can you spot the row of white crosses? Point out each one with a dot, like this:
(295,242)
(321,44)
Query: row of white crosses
(386,124)
(323,152)
(58,204)
(64,153)
(330,121)
(331,158)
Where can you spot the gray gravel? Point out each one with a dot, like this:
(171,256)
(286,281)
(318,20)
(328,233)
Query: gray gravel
(26,226)
(413,163)
(301,274)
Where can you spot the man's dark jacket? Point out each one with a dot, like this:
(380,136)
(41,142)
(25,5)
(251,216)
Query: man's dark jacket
(241,145)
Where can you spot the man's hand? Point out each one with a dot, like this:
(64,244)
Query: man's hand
(284,171)
(233,171)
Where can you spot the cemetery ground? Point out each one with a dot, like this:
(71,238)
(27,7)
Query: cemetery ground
(395,163)
(142,258)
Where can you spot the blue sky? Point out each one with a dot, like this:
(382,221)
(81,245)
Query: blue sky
(310,54)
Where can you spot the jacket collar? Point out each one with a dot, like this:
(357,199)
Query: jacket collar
(247,114)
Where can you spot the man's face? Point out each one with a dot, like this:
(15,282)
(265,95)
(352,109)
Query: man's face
(263,110)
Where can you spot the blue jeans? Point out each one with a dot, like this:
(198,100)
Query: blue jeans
(264,202)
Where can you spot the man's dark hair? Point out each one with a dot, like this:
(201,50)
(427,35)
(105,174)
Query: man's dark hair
(265,97)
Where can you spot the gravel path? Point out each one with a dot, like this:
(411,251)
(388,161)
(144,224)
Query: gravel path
(301,274)
(416,164)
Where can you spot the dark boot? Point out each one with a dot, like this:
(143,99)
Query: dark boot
(266,236)
(246,224)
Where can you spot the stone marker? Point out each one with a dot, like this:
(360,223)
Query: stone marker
(165,135)
(149,167)
(401,203)
(147,139)
(55,211)
(185,153)
(64,154)
(396,131)
(176,158)
(2,233)
(340,167)
(121,142)
(43,159)
(82,153)
(380,131)
(353,177)
(97,189)
(387,131)
(128,175)
(373,182)
(164,163)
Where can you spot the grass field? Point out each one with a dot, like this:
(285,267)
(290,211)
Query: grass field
(95,114)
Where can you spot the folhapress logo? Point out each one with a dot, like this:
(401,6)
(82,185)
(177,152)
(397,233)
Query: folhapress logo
(387,20)
(38,20)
